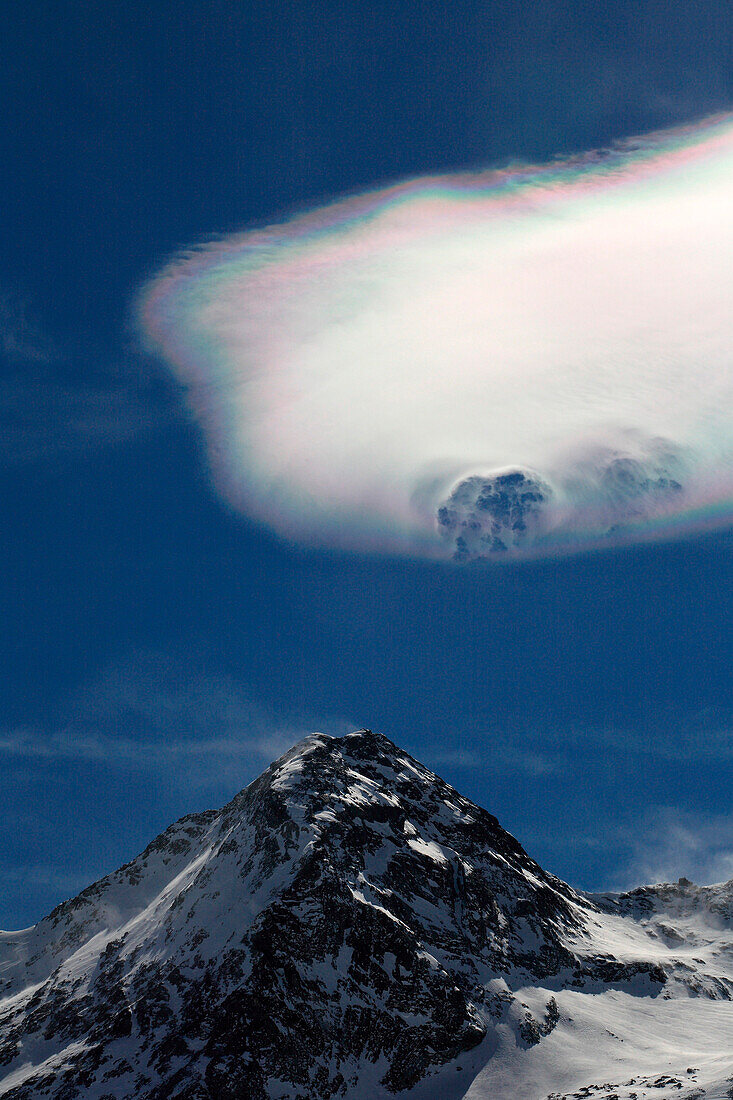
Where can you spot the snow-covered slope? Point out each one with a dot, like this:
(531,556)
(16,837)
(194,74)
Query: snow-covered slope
(350,926)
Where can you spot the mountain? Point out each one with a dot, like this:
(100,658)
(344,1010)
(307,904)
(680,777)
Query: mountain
(351,926)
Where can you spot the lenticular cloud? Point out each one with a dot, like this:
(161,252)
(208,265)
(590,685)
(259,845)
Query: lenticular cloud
(471,366)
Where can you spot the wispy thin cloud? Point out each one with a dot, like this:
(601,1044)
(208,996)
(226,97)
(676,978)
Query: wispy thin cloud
(154,711)
(524,748)
(56,401)
(500,758)
(667,843)
(42,416)
(22,338)
(28,744)
(47,876)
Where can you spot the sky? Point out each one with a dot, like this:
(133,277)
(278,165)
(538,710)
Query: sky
(168,631)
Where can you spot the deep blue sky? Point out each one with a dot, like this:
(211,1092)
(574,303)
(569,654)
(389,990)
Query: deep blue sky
(158,649)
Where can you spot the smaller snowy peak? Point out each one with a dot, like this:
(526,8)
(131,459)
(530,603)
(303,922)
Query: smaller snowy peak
(679,909)
(687,929)
(681,898)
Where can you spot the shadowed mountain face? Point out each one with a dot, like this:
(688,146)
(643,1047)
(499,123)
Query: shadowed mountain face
(348,925)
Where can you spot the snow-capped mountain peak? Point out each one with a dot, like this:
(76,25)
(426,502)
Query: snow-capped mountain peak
(349,925)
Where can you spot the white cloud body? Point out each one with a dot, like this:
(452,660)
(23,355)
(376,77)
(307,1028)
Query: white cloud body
(524,362)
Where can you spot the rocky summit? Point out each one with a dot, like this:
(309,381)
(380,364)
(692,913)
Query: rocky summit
(351,926)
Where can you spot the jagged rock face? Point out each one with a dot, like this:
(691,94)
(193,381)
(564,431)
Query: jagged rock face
(485,516)
(347,916)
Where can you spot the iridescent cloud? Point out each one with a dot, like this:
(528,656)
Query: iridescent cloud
(513,363)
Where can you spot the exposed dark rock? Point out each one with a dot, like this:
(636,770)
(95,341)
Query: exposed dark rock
(489,515)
